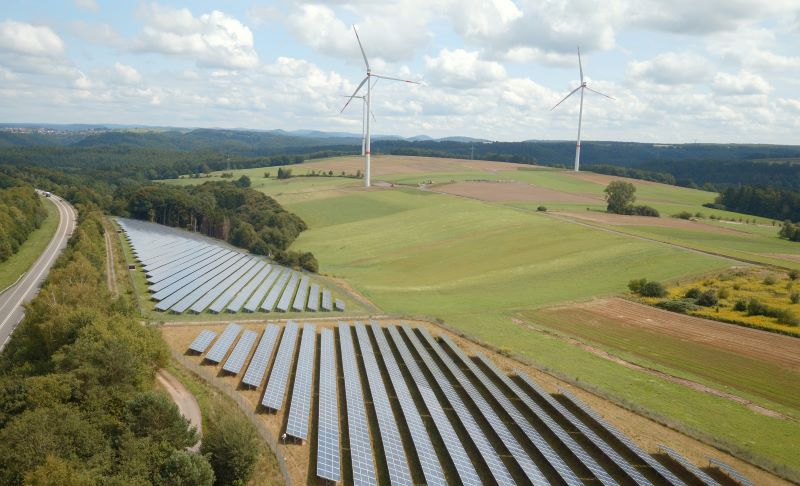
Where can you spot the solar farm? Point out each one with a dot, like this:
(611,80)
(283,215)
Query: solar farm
(188,273)
(380,403)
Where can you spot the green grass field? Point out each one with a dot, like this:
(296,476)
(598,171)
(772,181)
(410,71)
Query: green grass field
(475,265)
(20,262)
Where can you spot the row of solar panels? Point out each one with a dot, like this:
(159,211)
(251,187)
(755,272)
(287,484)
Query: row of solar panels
(522,425)
(188,274)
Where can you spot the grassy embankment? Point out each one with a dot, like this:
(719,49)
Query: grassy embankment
(20,262)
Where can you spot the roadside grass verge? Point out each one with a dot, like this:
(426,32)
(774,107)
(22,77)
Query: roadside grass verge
(21,261)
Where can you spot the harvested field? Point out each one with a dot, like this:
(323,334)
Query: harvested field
(663,222)
(512,191)
(299,458)
(759,363)
(390,165)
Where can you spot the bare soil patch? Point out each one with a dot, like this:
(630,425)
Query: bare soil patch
(762,345)
(511,191)
(626,220)
(645,432)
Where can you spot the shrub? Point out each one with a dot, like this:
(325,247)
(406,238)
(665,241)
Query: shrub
(795,297)
(740,305)
(769,280)
(757,308)
(683,215)
(678,305)
(699,215)
(794,274)
(692,293)
(708,299)
(231,445)
(542,209)
(653,289)
(723,293)
(636,285)
(788,317)
(646,211)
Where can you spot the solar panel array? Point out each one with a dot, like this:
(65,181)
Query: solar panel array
(490,456)
(694,470)
(328,461)
(189,273)
(258,365)
(220,348)
(240,352)
(357,424)
(396,461)
(202,341)
(647,458)
(276,387)
(731,472)
(450,374)
(300,408)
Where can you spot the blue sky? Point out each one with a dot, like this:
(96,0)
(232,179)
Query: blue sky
(680,70)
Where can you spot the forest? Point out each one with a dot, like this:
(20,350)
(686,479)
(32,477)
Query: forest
(77,404)
(769,202)
(21,212)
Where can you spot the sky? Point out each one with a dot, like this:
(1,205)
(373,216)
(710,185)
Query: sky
(680,71)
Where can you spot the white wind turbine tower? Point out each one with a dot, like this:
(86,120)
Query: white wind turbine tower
(582,87)
(366,81)
(363,99)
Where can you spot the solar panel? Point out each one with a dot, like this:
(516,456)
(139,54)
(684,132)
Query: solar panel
(288,293)
(530,432)
(484,446)
(691,468)
(731,472)
(572,419)
(431,468)
(358,427)
(222,282)
(202,341)
(328,461)
(657,466)
(197,294)
(196,275)
(234,289)
(255,300)
(276,290)
(194,282)
(455,449)
(498,426)
(313,298)
(327,303)
(300,299)
(220,348)
(339,305)
(396,461)
(297,424)
(260,361)
(276,388)
(240,352)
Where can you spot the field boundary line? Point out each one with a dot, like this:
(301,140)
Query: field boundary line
(15,282)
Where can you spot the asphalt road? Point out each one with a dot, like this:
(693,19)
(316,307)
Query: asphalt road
(12,300)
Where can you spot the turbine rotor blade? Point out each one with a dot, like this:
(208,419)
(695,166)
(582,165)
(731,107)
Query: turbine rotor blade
(373,116)
(395,79)
(354,93)
(565,98)
(364,54)
(603,94)
(580,65)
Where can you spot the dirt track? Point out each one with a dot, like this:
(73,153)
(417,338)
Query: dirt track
(512,191)
(186,402)
(766,346)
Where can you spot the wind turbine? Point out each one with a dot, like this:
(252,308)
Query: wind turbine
(582,87)
(367,81)
(363,99)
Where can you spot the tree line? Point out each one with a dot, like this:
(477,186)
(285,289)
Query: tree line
(781,204)
(229,211)
(77,404)
(21,212)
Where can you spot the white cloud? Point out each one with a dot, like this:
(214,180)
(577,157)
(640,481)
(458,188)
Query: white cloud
(744,83)
(127,74)
(671,68)
(212,39)
(31,40)
(90,5)
(460,68)
(703,17)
